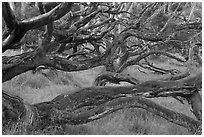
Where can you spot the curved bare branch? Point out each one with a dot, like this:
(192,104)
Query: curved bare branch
(48,17)
(115,78)
(88,104)
(136,61)
(8,16)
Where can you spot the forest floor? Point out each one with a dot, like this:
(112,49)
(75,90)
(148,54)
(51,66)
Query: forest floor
(35,88)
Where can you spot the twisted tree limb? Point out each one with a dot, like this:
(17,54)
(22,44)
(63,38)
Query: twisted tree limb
(143,56)
(15,65)
(19,29)
(92,103)
(88,104)
(115,78)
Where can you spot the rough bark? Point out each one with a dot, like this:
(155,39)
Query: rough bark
(144,55)
(88,104)
(92,103)
(18,29)
(115,78)
(18,64)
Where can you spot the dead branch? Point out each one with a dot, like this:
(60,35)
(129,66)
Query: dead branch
(88,104)
(44,19)
(197,25)
(8,16)
(164,71)
(15,65)
(115,78)
(136,61)
(22,27)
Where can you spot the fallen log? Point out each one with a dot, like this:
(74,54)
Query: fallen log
(89,104)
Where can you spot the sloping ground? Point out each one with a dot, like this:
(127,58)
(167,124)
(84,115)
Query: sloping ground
(35,88)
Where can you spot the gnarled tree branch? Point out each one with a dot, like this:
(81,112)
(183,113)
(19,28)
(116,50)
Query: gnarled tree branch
(88,104)
(115,78)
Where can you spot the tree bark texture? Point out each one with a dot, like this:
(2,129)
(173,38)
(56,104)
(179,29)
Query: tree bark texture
(88,104)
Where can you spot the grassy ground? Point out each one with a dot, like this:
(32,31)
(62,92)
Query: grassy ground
(35,88)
